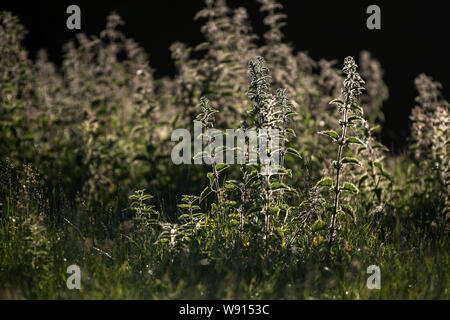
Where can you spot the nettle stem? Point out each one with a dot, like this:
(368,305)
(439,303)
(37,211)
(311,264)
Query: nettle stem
(338,164)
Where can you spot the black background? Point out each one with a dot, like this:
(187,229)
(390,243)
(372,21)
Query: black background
(412,40)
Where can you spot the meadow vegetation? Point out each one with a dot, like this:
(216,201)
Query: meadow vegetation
(87,177)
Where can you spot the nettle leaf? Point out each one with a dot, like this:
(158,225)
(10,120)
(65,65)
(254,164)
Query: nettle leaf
(205,193)
(350,187)
(351,160)
(279,232)
(183,206)
(278,185)
(293,152)
(337,101)
(354,119)
(384,173)
(230,187)
(380,146)
(330,133)
(378,165)
(325,182)
(362,179)
(354,140)
(356,107)
(360,149)
(291,132)
(211,178)
(348,210)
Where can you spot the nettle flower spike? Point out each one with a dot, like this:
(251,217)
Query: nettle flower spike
(353,84)
(351,114)
(206,116)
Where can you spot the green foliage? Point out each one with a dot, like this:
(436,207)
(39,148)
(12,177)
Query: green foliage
(76,141)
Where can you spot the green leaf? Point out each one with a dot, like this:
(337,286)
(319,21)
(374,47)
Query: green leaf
(378,165)
(325,182)
(348,210)
(361,149)
(279,232)
(354,119)
(183,206)
(337,101)
(350,187)
(362,179)
(230,187)
(351,160)
(354,140)
(277,186)
(331,134)
(291,132)
(380,146)
(293,152)
(356,107)
(318,225)
(206,192)
(211,178)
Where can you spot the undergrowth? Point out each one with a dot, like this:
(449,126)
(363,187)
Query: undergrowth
(87,177)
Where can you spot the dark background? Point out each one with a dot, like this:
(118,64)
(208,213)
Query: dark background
(412,40)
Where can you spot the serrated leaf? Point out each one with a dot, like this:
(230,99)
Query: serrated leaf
(353,140)
(378,165)
(354,119)
(361,149)
(291,132)
(325,182)
(351,160)
(206,192)
(380,146)
(293,152)
(211,178)
(277,186)
(348,186)
(362,179)
(337,101)
(348,210)
(354,106)
(230,187)
(331,134)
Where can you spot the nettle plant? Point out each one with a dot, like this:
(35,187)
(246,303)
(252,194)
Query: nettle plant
(270,112)
(374,180)
(431,147)
(256,202)
(352,114)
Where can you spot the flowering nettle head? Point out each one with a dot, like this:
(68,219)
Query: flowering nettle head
(353,84)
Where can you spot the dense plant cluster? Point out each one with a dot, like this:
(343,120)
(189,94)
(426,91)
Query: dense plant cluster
(87,177)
